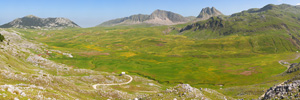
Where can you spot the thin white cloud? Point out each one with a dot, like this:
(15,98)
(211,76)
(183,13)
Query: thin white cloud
(298,4)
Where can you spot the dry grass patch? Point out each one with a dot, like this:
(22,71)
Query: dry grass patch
(128,54)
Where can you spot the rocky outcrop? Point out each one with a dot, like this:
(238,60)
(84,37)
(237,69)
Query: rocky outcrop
(212,23)
(33,22)
(207,12)
(293,68)
(286,90)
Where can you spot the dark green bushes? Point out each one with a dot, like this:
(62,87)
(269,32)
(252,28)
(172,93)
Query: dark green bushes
(1,38)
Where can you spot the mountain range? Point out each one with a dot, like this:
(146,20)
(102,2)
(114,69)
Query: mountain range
(33,22)
(162,17)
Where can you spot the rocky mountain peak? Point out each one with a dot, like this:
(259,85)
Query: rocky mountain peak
(207,12)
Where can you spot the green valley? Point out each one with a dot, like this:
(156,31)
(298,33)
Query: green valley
(251,54)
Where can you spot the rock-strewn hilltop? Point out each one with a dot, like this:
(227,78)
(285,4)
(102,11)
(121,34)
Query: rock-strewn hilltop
(158,17)
(34,22)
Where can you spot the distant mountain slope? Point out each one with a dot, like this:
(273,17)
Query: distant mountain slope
(158,17)
(207,12)
(270,28)
(34,22)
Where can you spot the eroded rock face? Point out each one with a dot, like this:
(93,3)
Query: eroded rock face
(33,22)
(286,90)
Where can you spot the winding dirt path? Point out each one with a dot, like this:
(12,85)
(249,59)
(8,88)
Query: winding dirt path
(95,86)
(286,63)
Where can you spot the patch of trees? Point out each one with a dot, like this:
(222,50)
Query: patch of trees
(1,38)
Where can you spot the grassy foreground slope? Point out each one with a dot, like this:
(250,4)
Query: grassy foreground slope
(240,52)
(26,73)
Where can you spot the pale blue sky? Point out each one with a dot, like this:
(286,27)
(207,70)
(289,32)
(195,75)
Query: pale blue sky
(89,13)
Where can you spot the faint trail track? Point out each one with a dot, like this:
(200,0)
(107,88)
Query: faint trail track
(95,86)
(286,63)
